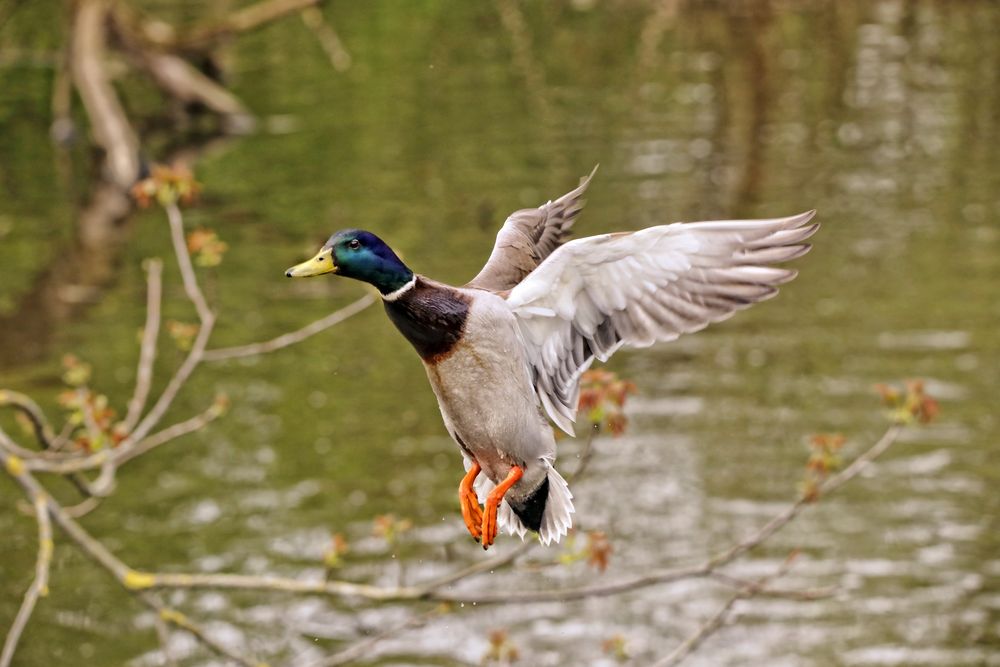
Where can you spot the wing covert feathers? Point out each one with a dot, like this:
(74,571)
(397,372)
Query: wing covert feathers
(593,295)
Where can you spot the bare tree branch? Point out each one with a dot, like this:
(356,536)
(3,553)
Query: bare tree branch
(136,582)
(699,570)
(806,594)
(117,456)
(249,582)
(122,456)
(244,20)
(194,357)
(490,565)
(39,586)
(293,337)
(829,486)
(182,81)
(184,622)
(26,406)
(112,131)
(361,648)
(147,349)
(163,634)
(712,625)
(188,275)
(328,38)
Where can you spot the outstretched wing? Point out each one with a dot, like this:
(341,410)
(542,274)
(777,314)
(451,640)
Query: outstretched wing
(593,295)
(529,236)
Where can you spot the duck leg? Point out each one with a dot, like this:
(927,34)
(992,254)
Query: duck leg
(469,501)
(489,530)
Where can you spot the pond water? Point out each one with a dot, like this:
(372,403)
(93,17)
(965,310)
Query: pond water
(884,116)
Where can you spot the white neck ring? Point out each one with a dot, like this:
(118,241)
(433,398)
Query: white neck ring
(392,296)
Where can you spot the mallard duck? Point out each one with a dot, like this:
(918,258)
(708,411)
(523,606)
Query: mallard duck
(507,349)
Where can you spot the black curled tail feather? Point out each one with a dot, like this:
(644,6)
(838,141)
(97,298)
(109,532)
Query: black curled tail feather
(531,509)
(547,510)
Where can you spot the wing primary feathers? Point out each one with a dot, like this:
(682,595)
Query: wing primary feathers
(528,237)
(593,295)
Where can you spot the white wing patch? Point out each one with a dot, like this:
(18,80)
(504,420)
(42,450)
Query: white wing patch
(593,295)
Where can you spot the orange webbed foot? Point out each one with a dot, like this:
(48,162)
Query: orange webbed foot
(469,501)
(489,523)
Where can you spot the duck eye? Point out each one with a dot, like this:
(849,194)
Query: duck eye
(354,244)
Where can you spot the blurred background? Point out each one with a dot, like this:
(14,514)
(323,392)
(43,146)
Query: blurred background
(428,123)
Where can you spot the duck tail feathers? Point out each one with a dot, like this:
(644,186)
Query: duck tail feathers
(557,519)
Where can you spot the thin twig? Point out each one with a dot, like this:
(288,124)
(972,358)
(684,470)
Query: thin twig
(134,581)
(82,508)
(39,586)
(63,466)
(806,594)
(328,38)
(163,634)
(361,648)
(194,357)
(293,337)
(248,582)
(184,622)
(119,455)
(244,20)
(63,438)
(698,570)
(87,413)
(26,406)
(477,568)
(105,482)
(9,445)
(122,456)
(431,591)
(831,485)
(142,582)
(16,468)
(712,625)
(188,275)
(147,349)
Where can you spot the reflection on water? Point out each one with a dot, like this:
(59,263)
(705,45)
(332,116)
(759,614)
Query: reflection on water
(882,115)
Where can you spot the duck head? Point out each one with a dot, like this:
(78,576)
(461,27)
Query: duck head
(355,253)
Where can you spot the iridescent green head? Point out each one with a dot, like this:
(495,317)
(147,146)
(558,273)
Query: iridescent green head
(355,253)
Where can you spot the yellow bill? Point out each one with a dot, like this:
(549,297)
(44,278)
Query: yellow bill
(317,266)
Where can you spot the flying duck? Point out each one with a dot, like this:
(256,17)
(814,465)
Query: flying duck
(505,351)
